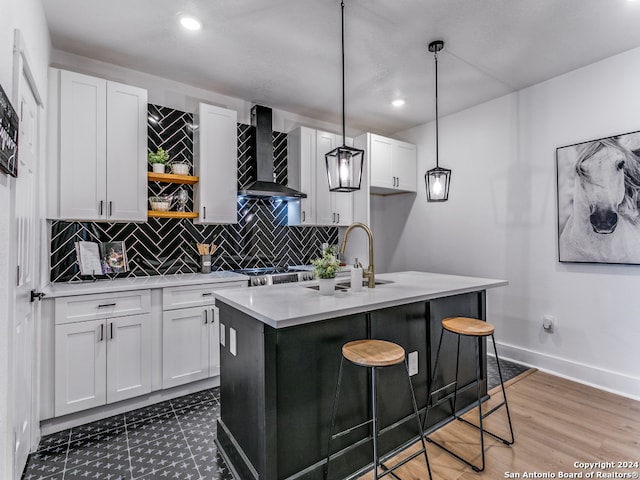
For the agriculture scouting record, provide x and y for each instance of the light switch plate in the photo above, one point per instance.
(223, 336)
(232, 341)
(413, 363)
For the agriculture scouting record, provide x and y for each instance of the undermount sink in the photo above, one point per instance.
(346, 285)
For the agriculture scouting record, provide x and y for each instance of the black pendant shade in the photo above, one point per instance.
(344, 164)
(437, 179)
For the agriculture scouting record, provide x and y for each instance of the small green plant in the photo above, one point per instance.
(327, 265)
(160, 156)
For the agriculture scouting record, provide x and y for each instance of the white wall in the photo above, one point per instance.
(28, 16)
(500, 222)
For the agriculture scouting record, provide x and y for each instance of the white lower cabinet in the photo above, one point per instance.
(190, 345)
(101, 361)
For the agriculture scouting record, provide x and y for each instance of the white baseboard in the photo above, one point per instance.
(607, 380)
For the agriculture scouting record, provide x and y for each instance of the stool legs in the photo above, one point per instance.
(374, 420)
(481, 415)
(417, 415)
(333, 418)
(375, 426)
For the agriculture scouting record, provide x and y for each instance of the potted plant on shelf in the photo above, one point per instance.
(326, 267)
(158, 160)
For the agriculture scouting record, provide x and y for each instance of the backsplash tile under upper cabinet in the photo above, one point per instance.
(261, 238)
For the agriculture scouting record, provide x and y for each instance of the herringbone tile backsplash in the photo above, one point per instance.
(162, 246)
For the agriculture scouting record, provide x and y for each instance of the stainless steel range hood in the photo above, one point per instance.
(262, 160)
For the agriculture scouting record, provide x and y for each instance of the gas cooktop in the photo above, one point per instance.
(274, 275)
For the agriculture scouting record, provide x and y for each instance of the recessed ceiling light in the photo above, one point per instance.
(190, 23)
(398, 102)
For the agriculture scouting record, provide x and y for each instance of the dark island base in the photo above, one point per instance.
(277, 392)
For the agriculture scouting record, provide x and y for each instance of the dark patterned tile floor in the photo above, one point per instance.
(509, 371)
(172, 439)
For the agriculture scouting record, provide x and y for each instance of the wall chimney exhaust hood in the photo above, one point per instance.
(262, 160)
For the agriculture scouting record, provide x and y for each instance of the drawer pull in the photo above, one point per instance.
(104, 305)
(207, 294)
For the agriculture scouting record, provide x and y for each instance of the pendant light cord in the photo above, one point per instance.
(344, 136)
(435, 56)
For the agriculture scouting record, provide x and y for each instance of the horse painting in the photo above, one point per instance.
(603, 224)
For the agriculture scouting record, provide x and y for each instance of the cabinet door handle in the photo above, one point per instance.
(206, 316)
(100, 207)
(213, 317)
(101, 332)
(110, 208)
(338, 221)
(303, 215)
(204, 213)
(111, 331)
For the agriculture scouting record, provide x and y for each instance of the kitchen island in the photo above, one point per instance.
(280, 354)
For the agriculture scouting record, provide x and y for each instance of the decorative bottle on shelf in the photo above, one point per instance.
(356, 277)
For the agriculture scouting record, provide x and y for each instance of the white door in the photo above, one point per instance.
(343, 207)
(80, 366)
(26, 220)
(404, 166)
(380, 162)
(83, 152)
(128, 357)
(216, 149)
(185, 346)
(325, 215)
(126, 153)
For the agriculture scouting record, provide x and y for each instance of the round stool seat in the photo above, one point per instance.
(468, 326)
(373, 353)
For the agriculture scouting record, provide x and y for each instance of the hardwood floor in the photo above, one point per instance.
(556, 422)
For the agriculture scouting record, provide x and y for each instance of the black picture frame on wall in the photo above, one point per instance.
(8, 136)
(598, 193)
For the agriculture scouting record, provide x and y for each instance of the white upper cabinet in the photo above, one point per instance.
(216, 163)
(126, 152)
(301, 148)
(392, 163)
(306, 156)
(97, 146)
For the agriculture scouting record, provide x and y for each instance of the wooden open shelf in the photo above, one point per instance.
(153, 213)
(172, 178)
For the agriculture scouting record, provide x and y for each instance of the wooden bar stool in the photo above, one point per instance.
(374, 354)
(470, 327)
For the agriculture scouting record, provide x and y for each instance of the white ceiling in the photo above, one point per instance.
(286, 53)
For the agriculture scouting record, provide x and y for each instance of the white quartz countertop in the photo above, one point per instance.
(287, 305)
(140, 283)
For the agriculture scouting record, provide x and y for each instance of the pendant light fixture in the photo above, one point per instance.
(344, 164)
(437, 179)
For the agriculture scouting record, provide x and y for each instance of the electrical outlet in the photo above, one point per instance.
(223, 336)
(413, 363)
(232, 341)
(548, 322)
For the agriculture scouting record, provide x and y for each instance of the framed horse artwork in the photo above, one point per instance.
(598, 200)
